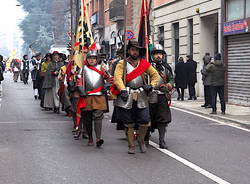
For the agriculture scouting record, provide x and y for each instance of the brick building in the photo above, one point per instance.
(107, 19)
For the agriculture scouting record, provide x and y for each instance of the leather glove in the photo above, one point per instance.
(169, 86)
(147, 88)
(106, 88)
(82, 92)
(124, 95)
(166, 87)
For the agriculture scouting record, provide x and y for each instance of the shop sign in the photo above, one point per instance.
(94, 19)
(236, 27)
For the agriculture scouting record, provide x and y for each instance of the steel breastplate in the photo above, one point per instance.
(136, 82)
(93, 80)
(153, 96)
(161, 81)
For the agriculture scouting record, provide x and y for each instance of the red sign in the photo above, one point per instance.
(130, 35)
(236, 27)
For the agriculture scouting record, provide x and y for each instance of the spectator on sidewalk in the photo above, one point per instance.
(217, 70)
(2, 68)
(180, 78)
(206, 77)
(191, 77)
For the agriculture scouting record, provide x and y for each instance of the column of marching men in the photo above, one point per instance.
(141, 94)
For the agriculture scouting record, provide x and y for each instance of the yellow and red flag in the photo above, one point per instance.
(84, 37)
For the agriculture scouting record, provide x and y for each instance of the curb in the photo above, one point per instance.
(216, 117)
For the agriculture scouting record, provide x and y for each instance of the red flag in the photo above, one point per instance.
(144, 22)
(81, 104)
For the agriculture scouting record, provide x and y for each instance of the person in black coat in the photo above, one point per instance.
(25, 69)
(180, 78)
(191, 77)
(2, 68)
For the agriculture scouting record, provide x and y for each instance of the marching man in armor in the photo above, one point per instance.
(132, 100)
(160, 97)
(92, 86)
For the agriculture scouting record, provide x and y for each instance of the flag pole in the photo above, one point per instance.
(125, 44)
(146, 31)
(149, 9)
(146, 28)
(71, 27)
(82, 15)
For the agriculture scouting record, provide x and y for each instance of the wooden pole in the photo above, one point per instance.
(125, 42)
(71, 28)
(82, 16)
(149, 11)
(146, 29)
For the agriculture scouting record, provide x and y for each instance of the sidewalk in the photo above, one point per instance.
(234, 113)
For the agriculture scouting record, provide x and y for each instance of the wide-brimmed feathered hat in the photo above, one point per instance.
(142, 50)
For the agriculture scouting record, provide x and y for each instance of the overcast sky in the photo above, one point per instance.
(10, 34)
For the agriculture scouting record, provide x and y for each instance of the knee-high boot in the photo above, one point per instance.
(147, 136)
(98, 128)
(98, 132)
(89, 128)
(162, 133)
(142, 133)
(130, 137)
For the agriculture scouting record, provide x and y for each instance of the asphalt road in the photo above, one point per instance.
(38, 147)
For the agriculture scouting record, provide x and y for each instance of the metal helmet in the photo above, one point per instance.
(158, 48)
(92, 54)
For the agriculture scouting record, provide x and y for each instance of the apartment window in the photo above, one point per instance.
(161, 35)
(247, 8)
(176, 41)
(93, 6)
(191, 39)
(236, 9)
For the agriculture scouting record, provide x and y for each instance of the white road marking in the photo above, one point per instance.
(190, 164)
(7, 122)
(211, 119)
(32, 122)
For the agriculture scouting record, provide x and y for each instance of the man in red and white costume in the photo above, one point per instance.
(90, 88)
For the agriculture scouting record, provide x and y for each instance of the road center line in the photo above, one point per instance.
(190, 164)
(211, 119)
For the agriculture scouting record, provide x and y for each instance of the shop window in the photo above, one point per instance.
(235, 9)
(247, 8)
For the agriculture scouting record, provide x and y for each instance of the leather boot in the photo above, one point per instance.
(147, 136)
(141, 137)
(130, 137)
(162, 133)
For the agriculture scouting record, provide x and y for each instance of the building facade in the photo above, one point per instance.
(188, 27)
(236, 22)
(107, 19)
